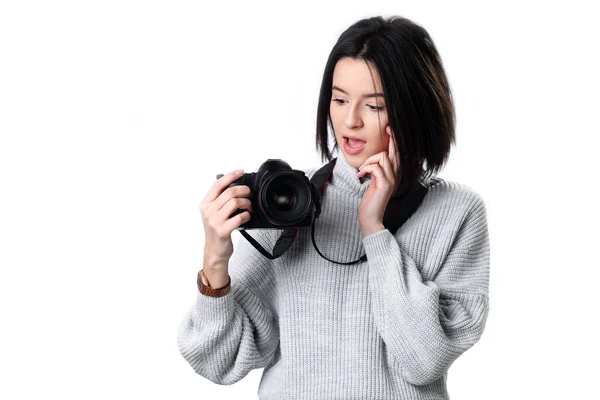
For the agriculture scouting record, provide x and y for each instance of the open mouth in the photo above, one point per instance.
(354, 143)
(353, 146)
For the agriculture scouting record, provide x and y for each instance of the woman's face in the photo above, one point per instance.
(356, 114)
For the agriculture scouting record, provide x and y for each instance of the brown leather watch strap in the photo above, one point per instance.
(205, 289)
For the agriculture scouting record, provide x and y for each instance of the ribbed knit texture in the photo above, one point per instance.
(387, 328)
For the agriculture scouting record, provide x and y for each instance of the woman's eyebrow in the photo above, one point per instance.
(364, 95)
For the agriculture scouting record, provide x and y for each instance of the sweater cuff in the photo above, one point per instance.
(214, 310)
(384, 255)
(377, 245)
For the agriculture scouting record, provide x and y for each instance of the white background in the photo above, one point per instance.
(115, 117)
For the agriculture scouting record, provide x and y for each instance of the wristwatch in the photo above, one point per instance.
(205, 289)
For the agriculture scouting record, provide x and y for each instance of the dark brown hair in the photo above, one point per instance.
(416, 91)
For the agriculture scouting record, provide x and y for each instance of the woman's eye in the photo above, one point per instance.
(373, 108)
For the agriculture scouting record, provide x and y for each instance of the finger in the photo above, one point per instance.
(391, 144)
(392, 158)
(228, 194)
(232, 206)
(392, 150)
(376, 171)
(386, 165)
(235, 222)
(384, 162)
(374, 159)
(217, 188)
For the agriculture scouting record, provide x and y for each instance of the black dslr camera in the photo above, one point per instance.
(281, 197)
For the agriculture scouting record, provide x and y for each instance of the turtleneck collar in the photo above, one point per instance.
(344, 177)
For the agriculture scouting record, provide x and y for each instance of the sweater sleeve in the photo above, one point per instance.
(428, 324)
(224, 338)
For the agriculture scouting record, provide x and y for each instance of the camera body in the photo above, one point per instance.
(281, 197)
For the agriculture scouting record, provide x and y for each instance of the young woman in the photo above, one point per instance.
(385, 328)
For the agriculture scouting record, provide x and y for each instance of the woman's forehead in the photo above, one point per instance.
(352, 77)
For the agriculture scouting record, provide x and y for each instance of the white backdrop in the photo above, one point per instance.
(115, 117)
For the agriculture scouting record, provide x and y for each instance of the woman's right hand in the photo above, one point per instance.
(216, 207)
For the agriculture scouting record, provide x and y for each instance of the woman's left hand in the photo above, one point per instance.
(382, 167)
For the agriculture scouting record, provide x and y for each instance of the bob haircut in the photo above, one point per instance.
(416, 91)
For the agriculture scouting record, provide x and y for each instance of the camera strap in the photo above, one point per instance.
(399, 209)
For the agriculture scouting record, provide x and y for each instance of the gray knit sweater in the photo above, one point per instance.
(386, 328)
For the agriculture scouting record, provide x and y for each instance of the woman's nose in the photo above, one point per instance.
(352, 118)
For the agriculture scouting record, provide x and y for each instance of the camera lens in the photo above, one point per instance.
(286, 198)
(282, 197)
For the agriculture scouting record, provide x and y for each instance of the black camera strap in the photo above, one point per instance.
(398, 211)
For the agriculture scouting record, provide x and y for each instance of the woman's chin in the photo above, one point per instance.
(355, 160)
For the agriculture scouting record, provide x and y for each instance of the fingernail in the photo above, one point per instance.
(238, 171)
